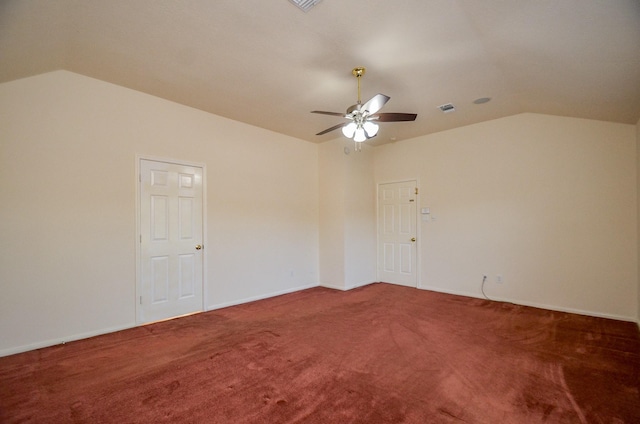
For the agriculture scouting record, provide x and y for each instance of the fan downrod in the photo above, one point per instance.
(358, 73)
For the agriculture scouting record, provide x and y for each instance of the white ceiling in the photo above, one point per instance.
(267, 63)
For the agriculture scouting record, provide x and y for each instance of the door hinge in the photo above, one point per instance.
(140, 238)
(416, 190)
(140, 177)
(141, 300)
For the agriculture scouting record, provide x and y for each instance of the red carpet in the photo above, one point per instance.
(378, 354)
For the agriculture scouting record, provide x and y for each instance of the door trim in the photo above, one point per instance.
(138, 247)
(418, 228)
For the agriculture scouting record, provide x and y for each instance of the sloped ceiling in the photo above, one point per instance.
(267, 63)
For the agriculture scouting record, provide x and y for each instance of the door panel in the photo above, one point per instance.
(171, 226)
(388, 257)
(185, 218)
(406, 258)
(159, 218)
(397, 211)
(186, 264)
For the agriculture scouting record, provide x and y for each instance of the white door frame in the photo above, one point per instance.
(137, 240)
(418, 229)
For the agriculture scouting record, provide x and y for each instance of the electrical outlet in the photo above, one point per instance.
(499, 279)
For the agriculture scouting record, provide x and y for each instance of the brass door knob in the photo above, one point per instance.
(413, 239)
(198, 246)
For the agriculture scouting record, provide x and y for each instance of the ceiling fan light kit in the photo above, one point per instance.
(362, 117)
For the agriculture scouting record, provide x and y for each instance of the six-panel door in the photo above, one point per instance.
(171, 234)
(397, 233)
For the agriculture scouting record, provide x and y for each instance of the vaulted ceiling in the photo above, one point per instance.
(267, 63)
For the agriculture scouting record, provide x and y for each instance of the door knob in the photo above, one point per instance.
(198, 246)
(413, 239)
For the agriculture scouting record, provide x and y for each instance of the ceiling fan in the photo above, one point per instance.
(363, 118)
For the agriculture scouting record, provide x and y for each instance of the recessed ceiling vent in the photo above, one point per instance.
(305, 5)
(446, 108)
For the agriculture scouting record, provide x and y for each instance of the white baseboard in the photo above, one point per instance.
(258, 297)
(346, 288)
(536, 305)
(79, 336)
(334, 287)
(62, 340)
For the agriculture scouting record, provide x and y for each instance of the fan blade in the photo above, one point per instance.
(322, 112)
(393, 117)
(335, 127)
(375, 104)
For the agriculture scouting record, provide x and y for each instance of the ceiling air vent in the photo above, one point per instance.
(446, 108)
(305, 5)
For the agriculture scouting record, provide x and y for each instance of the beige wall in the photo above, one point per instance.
(332, 169)
(67, 219)
(347, 216)
(360, 217)
(548, 203)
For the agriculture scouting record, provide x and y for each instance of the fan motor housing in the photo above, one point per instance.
(351, 109)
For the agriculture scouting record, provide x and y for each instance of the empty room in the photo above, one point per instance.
(320, 211)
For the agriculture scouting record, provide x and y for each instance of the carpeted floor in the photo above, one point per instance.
(378, 354)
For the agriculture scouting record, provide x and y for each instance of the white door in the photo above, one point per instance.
(397, 233)
(171, 234)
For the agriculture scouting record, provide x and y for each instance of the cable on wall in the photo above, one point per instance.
(484, 279)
